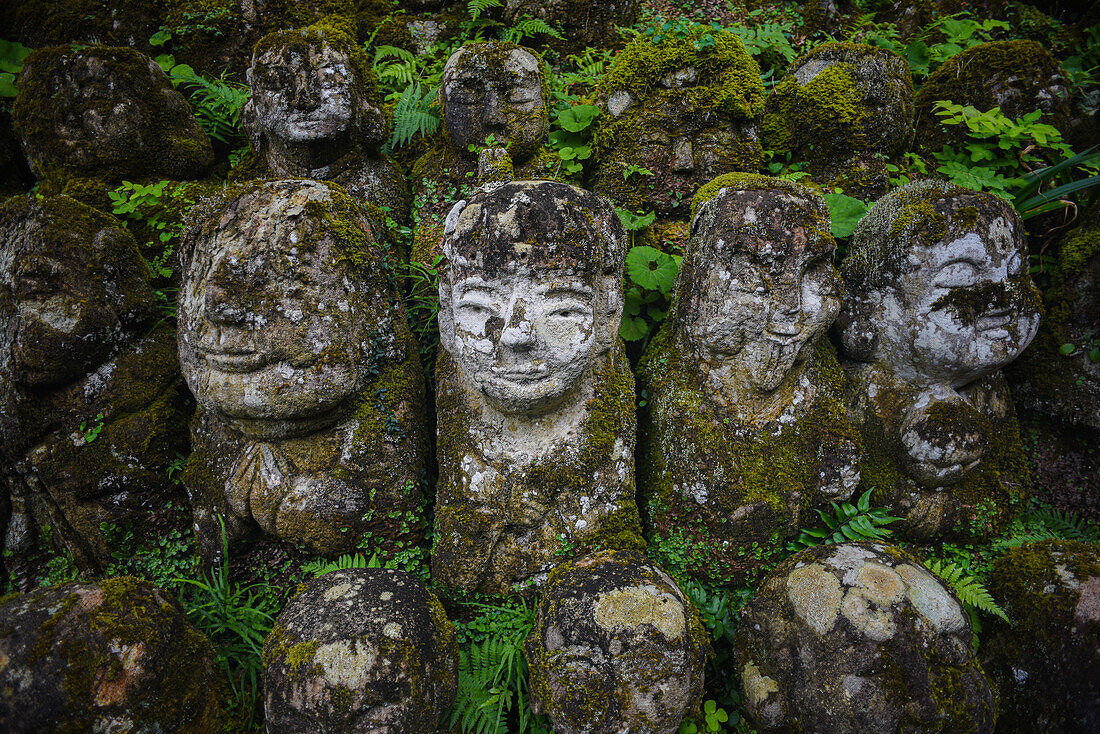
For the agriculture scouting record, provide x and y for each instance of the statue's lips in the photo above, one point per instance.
(233, 361)
(521, 374)
(996, 320)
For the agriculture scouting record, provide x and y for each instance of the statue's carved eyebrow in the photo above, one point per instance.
(568, 291)
(473, 283)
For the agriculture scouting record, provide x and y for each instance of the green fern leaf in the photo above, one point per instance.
(971, 592)
(478, 7)
(528, 27)
(415, 113)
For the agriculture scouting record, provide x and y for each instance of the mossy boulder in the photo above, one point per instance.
(117, 655)
(295, 344)
(1017, 76)
(687, 109)
(743, 430)
(1066, 387)
(860, 637)
(91, 392)
(360, 650)
(843, 106)
(108, 113)
(617, 648)
(1047, 661)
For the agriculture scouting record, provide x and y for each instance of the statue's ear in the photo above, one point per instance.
(445, 315)
(858, 333)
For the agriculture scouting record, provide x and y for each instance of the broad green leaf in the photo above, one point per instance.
(844, 212)
(650, 268)
(575, 119)
(633, 328)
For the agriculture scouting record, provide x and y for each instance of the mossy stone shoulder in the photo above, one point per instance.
(1045, 662)
(117, 654)
(617, 647)
(860, 637)
(108, 113)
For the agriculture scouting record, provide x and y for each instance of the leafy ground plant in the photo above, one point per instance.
(847, 522)
(650, 275)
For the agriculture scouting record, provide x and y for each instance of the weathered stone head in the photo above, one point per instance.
(757, 288)
(360, 650)
(494, 88)
(617, 647)
(105, 112)
(282, 312)
(532, 294)
(314, 99)
(938, 285)
(860, 637)
(72, 288)
(686, 115)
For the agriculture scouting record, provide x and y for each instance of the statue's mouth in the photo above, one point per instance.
(996, 320)
(532, 373)
(233, 360)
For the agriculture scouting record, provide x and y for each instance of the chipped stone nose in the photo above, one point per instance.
(491, 112)
(682, 160)
(787, 300)
(518, 334)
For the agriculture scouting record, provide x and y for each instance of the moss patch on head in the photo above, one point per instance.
(753, 182)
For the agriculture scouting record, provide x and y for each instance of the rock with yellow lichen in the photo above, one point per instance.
(617, 648)
(860, 637)
(360, 650)
(117, 655)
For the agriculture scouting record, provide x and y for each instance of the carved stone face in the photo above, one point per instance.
(966, 307)
(312, 98)
(766, 289)
(525, 316)
(526, 339)
(273, 325)
(494, 89)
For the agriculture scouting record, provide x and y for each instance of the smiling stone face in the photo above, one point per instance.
(276, 324)
(310, 102)
(532, 296)
(760, 289)
(494, 89)
(947, 294)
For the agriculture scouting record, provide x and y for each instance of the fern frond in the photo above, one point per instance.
(847, 522)
(971, 592)
(1064, 524)
(416, 112)
(528, 27)
(477, 7)
(386, 52)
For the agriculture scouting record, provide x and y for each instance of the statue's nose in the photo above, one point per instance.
(518, 334)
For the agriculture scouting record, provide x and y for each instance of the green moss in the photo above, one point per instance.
(686, 442)
(749, 182)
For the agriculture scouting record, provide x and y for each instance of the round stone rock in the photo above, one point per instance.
(860, 637)
(362, 650)
(617, 648)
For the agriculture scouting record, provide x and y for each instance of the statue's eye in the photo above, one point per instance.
(569, 312)
(956, 274)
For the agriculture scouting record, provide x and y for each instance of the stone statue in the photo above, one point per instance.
(315, 112)
(493, 96)
(535, 397)
(683, 112)
(106, 113)
(744, 429)
(309, 387)
(938, 300)
(91, 399)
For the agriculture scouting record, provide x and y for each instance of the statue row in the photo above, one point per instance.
(294, 343)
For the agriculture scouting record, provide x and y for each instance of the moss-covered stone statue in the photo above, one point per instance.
(617, 647)
(91, 399)
(1046, 662)
(1050, 378)
(1017, 76)
(309, 387)
(938, 299)
(860, 637)
(493, 95)
(744, 429)
(581, 23)
(116, 655)
(315, 112)
(360, 650)
(843, 108)
(535, 399)
(105, 113)
(683, 110)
